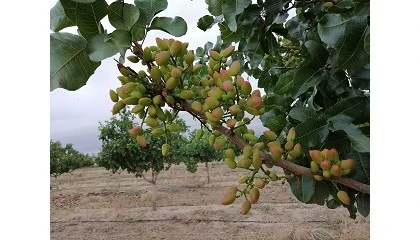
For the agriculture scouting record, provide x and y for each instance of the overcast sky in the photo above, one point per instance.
(74, 116)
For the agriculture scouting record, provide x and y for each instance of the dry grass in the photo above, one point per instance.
(97, 205)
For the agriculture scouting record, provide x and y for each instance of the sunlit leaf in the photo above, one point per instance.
(122, 15)
(58, 18)
(175, 26)
(87, 17)
(311, 132)
(149, 8)
(70, 66)
(302, 187)
(352, 52)
(331, 28)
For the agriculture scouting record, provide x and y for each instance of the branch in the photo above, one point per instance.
(283, 163)
(147, 180)
(291, 47)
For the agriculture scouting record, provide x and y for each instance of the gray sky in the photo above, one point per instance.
(74, 116)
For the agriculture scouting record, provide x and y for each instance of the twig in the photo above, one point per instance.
(283, 163)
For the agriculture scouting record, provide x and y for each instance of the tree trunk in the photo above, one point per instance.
(118, 181)
(208, 174)
(154, 177)
(56, 182)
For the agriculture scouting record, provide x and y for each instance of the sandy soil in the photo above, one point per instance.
(93, 204)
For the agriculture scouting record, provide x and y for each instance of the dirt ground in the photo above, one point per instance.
(93, 204)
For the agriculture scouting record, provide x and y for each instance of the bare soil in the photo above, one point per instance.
(93, 204)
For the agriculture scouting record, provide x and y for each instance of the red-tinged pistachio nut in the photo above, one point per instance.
(162, 58)
(254, 195)
(291, 134)
(234, 68)
(259, 183)
(289, 145)
(245, 207)
(344, 197)
(141, 141)
(229, 196)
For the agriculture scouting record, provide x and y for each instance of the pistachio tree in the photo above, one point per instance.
(311, 61)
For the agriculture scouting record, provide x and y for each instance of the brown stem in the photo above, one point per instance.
(283, 163)
(291, 47)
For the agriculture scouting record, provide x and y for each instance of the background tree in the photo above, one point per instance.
(76, 160)
(66, 159)
(313, 67)
(120, 151)
(198, 150)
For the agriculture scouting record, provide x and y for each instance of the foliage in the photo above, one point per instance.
(121, 151)
(74, 58)
(199, 151)
(66, 159)
(310, 57)
(314, 68)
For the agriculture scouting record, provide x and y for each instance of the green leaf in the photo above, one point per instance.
(58, 18)
(297, 29)
(138, 31)
(362, 8)
(208, 46)
(123, 16)
(338, 140)
(87, 17)
(342, 6)
(351, 107)
(251, 20)
(363, 204)
(360, 78)
(318, 54)
(367, 43)
(359, 141)
(332, 203)
(199, 52)
(298, 81)
(285, 83)
(352, 210)
(352, 53)
(84, 1)
(279, 19)
(70, 66)
(205, 22)
(338, 81)
(311, 100)
(215, 7)
(331, 28)
(306, 78)
(175, 26)
(302, 113)
(273, 9)
(302, 187)
(271, 44)
(274, 119)
(361, 170)
(255, 52)
(321, 193)
(230, 9)
(280, 102)
(311, 132)
(121, 39)
(265, 80)
(149, 8)
(227, 35)
(99, 49)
